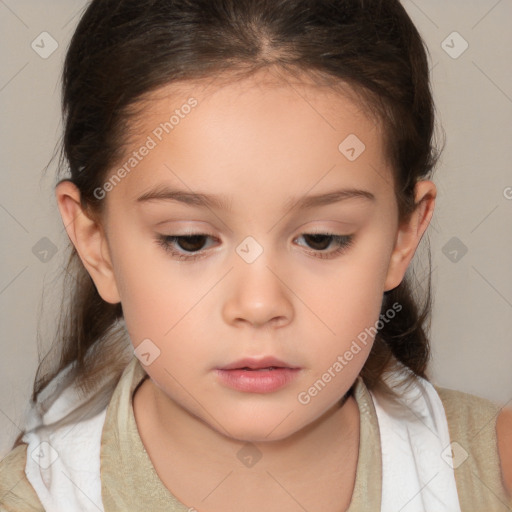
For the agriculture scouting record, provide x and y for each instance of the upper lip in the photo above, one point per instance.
(255, 363)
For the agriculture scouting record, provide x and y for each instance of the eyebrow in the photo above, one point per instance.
(165, 193)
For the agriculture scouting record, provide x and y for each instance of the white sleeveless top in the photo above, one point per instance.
(63, 465)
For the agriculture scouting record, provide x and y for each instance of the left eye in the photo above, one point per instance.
(341, 244)
(319, 239)
(191, 246)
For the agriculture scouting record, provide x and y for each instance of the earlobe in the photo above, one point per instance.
(410, 233)
(87, 235)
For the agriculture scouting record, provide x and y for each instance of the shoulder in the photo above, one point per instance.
(504, 435)
(480, 421)
(470, 415)
(16, 492)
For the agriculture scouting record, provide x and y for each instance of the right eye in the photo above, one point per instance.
(191, 245)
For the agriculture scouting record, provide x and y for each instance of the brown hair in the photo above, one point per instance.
(124, 49)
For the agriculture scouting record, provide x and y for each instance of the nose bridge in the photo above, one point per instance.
(257, 292)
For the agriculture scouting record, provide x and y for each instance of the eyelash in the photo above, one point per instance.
(344, 242)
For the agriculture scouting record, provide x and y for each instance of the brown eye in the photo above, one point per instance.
(189, 247)
(319, 242)
(190, 243)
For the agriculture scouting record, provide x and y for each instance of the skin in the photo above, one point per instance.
(260, 143)
(504, 439)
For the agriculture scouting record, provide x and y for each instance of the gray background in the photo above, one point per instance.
(472, 315)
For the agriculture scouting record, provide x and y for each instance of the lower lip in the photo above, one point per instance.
(257, 381)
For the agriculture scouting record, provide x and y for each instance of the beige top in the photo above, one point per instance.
(130, 482)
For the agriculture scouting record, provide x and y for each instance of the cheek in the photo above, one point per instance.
(351, 293)
(153, 293)
(162, 306)
(349, 304)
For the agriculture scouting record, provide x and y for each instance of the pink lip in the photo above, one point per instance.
(256, 377)
(256, 364)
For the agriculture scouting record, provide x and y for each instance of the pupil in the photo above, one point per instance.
(191, 242)
(315, 241)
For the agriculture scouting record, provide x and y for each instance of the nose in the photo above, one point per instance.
(258, 295)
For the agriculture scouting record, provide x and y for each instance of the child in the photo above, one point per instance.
(280, 364)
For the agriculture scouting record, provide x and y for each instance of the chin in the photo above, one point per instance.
(252, 435)
(260, 428)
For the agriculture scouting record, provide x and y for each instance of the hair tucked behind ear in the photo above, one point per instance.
(123, 50)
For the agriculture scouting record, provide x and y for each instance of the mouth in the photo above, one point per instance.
(264, 375)
(260, 369)
(267, 363)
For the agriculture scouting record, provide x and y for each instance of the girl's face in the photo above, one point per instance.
(253, 171)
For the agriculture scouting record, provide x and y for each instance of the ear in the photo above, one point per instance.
(87, 235)
(410, 233)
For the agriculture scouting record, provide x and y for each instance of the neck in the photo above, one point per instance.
(184, 437)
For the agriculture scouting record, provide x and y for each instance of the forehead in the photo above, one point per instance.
(284, 130)
(329, 102)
